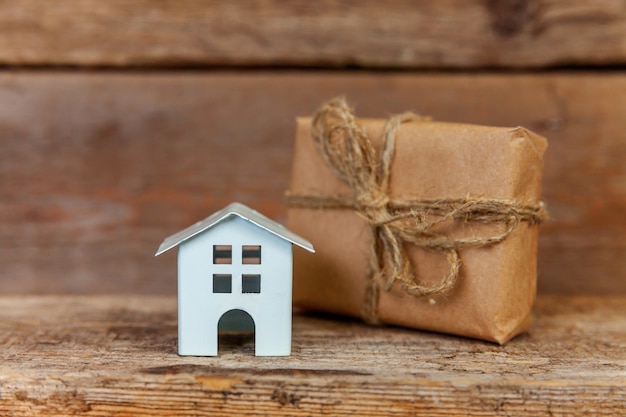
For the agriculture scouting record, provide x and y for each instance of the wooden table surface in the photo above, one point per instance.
(116, 355)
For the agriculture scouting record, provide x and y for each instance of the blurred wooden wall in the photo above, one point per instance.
(122, 122)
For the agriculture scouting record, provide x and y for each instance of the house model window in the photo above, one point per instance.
(251, 284)
(222, 254)
(250, 255)
(222, 283)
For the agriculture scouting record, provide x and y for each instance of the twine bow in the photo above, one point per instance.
(349, 153)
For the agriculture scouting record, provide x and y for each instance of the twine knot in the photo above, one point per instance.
(374, 207)
(347, 150)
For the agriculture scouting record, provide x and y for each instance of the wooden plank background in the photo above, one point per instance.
(325, 33)
(97, 168)
(124, 121)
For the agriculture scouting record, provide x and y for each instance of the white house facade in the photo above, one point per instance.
(236, 259)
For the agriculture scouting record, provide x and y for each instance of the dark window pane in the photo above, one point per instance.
(222, 254)
(251, 254)
(222, 283)
(251, 284)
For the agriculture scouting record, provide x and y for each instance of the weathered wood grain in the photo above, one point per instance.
(97, 168)
(116, 356)
(398, 34)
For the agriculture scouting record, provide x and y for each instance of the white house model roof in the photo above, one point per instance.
(234, 209)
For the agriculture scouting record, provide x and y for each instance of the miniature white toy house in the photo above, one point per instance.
(234, 260)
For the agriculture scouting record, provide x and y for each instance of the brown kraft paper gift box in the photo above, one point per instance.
(490, 285)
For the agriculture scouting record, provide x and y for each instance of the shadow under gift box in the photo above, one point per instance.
(493, 297)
